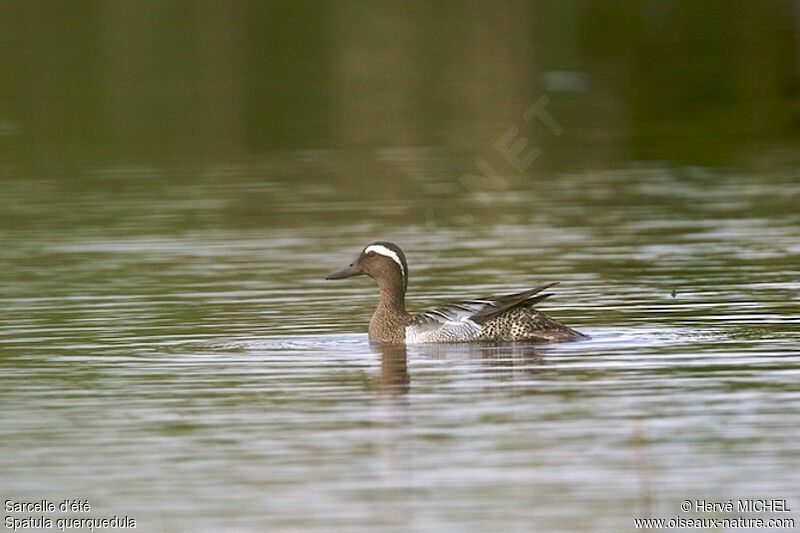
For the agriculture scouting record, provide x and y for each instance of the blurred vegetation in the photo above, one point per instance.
(713, 83)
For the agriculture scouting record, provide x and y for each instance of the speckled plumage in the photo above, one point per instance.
(389, 325)
(505, 318)
(523, 323)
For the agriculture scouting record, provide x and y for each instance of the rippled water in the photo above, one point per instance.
(171, 352)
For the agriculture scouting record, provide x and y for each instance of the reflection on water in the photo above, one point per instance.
(393, 377)
(203, 82)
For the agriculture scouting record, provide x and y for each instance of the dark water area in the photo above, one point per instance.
(709, 83)
(176, 181)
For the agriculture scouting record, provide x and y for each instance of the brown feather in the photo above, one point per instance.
(501, 304)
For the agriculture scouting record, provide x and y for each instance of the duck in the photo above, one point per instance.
(504, 318)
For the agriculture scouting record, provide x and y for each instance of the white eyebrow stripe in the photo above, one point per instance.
(382, 250)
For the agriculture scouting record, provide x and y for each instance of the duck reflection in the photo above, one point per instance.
(510, 356)
(513, 359)
(496, 357)
(393, 377)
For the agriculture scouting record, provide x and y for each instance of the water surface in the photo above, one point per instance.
(171, 352)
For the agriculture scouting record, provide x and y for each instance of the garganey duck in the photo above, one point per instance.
(505, 318)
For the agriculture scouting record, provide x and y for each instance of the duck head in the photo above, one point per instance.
(382, 261)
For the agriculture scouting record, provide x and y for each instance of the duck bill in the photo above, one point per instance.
(346, 272)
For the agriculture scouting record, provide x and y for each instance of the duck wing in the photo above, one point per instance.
(480, 310)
